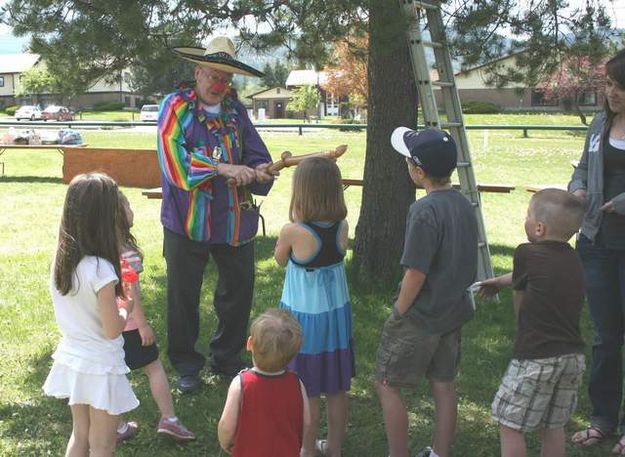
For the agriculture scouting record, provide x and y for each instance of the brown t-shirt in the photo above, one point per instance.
(550, 274)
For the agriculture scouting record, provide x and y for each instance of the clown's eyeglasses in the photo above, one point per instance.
(212, 78)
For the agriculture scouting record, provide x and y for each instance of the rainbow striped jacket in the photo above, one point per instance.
(197, 203)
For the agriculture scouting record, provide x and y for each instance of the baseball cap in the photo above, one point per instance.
(431, 149)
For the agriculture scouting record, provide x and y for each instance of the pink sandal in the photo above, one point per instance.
(590, 436)
(619, 447)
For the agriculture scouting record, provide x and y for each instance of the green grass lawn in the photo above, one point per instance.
(32, 195)
(497, 119)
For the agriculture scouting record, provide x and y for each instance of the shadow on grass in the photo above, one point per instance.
(31, 179)
(487, 342)
(38, 425)
(501, 249)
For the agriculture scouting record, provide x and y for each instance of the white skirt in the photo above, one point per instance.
(109, 392)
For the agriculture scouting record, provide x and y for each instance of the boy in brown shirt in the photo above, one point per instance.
(539, 388)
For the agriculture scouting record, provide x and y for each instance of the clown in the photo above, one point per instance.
(212, 160)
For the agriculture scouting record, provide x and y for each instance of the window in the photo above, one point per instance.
(538, 99)
(1, 81)
(587, 98)
(332, 105)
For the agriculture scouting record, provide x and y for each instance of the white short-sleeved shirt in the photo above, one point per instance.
(84, 346)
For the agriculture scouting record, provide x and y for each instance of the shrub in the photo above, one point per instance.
(478, 107)
(10, 110)
(108, 106)
(349, 121)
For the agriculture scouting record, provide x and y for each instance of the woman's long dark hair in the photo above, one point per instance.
(615, 69)
(89, 226)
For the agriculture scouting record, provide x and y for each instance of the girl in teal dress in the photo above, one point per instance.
(315, 290)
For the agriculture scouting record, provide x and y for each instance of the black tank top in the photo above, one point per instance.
(329, 251)
(612, 230)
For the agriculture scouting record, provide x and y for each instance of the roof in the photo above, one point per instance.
(306, 78)
(490, 62)
(17, 63)
(271, 94)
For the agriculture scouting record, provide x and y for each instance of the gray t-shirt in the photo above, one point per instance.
(441, 241)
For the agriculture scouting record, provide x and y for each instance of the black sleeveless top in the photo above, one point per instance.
(612, 230)
(329, 251)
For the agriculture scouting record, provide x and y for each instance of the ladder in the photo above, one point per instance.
(428, 14)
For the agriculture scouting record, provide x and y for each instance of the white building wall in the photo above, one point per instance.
(476, 79)
(8, 88)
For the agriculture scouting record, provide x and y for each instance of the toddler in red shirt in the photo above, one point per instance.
(266, 410)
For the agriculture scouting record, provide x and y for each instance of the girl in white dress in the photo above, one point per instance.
(89, 367)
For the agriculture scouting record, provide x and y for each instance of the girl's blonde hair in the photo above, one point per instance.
(317, 192)
(89, 226)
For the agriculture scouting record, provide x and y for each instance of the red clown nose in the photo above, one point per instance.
(219, 86)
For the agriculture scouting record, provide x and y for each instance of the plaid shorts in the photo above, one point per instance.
(538, 393)
(407, 353)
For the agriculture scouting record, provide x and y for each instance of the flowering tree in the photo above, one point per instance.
(347, 76)
(574, 77)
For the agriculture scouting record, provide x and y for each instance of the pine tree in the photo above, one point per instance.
(107, 36)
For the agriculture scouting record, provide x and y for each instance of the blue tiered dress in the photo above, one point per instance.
(315, 291)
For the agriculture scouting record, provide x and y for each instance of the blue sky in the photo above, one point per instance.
(10, 44)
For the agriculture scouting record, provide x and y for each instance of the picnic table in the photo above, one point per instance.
(538, 187)
(157, 193)
(497, 188)
(59, 148)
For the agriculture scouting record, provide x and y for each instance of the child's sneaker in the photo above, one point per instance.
(127, 431)
(175, 428)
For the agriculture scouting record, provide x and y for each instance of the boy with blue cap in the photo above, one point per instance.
(422, 336)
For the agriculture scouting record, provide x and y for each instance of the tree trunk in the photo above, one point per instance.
(579, 112)
(388, 190)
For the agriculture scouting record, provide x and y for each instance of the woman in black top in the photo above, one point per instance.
(600, 181)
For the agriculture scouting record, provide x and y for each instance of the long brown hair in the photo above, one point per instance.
(89, 226)
(317, 192)
(615, 69)
(128, 240)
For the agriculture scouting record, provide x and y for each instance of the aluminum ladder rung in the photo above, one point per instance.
(427, 15)
(449, 124)
(429, 44)
(424, 5)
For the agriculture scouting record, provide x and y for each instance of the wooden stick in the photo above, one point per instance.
(287, 159)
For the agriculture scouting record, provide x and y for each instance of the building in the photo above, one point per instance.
(472, 85)
(329, 104)
(13, 65)
(271, 103)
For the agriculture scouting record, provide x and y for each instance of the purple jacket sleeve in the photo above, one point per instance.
(254, 150)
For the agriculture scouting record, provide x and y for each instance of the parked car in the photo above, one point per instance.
(28, 112)
(149, 113)
(57, 113)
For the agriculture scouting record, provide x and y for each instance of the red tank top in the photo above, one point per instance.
(271, 416)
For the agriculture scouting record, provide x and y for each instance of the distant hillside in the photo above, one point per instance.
(258, 60)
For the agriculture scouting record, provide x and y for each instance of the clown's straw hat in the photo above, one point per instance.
(220, 55)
